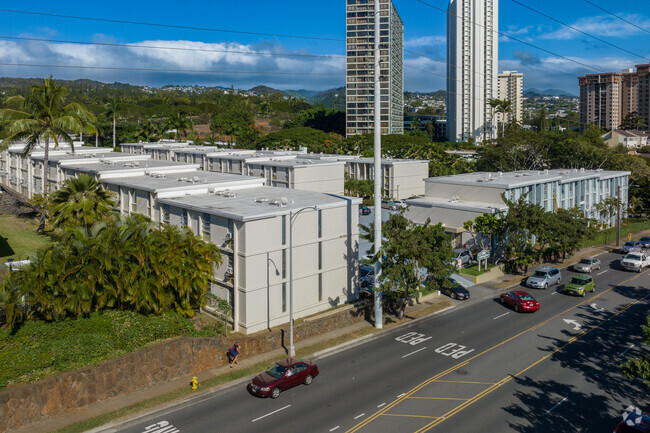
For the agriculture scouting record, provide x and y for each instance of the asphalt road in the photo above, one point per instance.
(481, 367)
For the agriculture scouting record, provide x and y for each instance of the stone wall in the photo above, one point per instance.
(26, 404)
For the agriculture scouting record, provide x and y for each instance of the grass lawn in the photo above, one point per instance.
(18, 238)
(473, 270)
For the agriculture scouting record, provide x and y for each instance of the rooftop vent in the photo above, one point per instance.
(229, 194)
(261, 200)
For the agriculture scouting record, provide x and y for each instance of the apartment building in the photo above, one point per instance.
(472, 68)
(360, 76)
(251, 224)
(511, 88)
(452, 200)
(631, 139)
(607, 99)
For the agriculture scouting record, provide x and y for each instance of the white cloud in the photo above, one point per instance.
(176, 55)
(601, 26)
(426, 41)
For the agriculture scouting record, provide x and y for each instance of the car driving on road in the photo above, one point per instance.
(520, 301)
(544, 277)
(283, 375)
(579, 285)
(587, 265)
(628, 245)
(646, 242)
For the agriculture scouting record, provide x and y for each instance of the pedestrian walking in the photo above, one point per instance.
(233, 353)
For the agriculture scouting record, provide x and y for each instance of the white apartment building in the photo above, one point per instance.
(511, 88)
(360, 76)
(452, 200)
(472, 68)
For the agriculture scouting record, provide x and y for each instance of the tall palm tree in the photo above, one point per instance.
(179, 122)
(43, 115)
(504, 107)
(80, 202)
(112, 110)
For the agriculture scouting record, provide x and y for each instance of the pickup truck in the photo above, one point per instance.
(635, 261)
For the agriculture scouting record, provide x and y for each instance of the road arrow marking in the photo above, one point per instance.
(576, 325)
(595, 307)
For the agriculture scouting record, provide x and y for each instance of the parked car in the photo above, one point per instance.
(628, 245)
(462, 256)
(283, 375)
(587, 264)
(393, 204)
(646, 242)
(453, 289)
(634, 422)
(366, 276)
(544, 277)
(364, 210)
(580, 285)
(520, 301)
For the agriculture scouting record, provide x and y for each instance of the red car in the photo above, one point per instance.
(283, 375)
(520, 301)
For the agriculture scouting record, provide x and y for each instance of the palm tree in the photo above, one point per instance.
(179, 122)
(112, 110)
(80, 202)
(43, 115)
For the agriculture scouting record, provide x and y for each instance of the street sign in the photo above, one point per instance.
(482, 255)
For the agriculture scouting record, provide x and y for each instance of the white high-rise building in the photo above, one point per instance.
(511, 88)
(472, 68)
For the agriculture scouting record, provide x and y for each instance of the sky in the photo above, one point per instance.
(230, 42)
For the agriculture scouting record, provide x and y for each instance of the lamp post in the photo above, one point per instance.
(268, 289)
(292, 216)
(378, 172)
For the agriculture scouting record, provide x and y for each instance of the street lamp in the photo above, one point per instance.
(292, 216)
(268, 288)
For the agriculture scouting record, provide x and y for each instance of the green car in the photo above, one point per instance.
(579, 285)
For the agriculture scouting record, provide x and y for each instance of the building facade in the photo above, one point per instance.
(472, 68)
(511, 88)
(360, 76)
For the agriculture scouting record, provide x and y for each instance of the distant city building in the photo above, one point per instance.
(439, 124)
(472, 68)
(607, 99)
(360, 68)
(511, 88)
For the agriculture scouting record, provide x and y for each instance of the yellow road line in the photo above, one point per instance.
(457, 366)
(410, 416)
(439, 398)
(464, 381)
(507, 379)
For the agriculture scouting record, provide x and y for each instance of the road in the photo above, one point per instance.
(480, 367)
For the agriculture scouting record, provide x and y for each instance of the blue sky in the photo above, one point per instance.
(425, 30)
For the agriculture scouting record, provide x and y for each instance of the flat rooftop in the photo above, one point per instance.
(108, 166)
(259, 203)
(182, 181)
(516, 179)
(63, 158)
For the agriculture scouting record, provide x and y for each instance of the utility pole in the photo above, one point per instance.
(379, 321)
(618, 216)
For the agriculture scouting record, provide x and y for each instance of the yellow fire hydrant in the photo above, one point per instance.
(195, 383)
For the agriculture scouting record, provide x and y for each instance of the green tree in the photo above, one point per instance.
(639, 367)
(410, 254)
(632, 121)
(607, 208)
(43, 115)
(179, 123)
(112, 110)
(81, 201)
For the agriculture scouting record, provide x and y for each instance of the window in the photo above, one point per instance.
(320, 287)
(284, 229)
(320, 255)
(184, 218)
(165, 214)
(133, 201)
(284, 297)
(205, 226)
(284, 263)
(320, 223)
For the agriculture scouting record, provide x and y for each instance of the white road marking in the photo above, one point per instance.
(401, 395)
(551, 409)
(409, 354)
(595, 307)
(625, 351)
(271, 413)
(504, 314)
(383, 404)
(576, 325)
(602, 272)
(335, 428)
(554, 293)
(359, 416)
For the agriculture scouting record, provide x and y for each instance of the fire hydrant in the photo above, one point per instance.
(194, 383)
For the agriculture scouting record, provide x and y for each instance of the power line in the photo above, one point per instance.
(436, 60)
(578, 30)
(516, 39)
(191, 71)
(109, 44)
(617, 16)
(173, 26)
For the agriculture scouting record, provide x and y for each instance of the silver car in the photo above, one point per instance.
(628, 245)
(544, 277)
(587, 265)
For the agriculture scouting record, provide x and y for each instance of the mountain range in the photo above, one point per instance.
(548, 92)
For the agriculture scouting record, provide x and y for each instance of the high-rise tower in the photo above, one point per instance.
(472, 68)
(359, 94)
